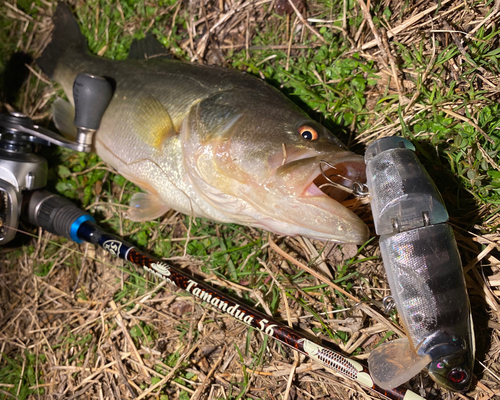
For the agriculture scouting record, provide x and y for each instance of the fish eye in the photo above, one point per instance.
(308, 133)
(457, 375)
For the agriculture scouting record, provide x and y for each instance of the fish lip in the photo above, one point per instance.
(312, 189)
(322, 216)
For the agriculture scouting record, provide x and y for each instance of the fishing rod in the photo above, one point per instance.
(23, 178)
(61, 217)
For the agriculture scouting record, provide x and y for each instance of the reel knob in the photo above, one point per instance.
(92, 95)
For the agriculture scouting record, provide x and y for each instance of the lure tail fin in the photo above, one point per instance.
(394, 363)
(66, 36)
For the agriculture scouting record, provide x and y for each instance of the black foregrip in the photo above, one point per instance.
(55, 214)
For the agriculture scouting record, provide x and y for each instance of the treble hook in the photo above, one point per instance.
(389, 304)
(358, 189)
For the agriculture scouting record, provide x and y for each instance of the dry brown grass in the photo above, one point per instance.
(79, 333)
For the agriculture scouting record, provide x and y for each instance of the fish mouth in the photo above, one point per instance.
(336, 180)
(314, 204)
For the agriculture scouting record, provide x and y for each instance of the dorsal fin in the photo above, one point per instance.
(147, 48)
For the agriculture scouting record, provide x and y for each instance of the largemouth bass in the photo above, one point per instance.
(210, 142)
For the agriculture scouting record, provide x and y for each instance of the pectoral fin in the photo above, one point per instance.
(146, 207)
(64, 115)
(394, 363)
(152, 122)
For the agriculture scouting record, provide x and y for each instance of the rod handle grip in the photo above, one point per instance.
(56, 214)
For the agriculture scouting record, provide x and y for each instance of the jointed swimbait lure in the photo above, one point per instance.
(424, 271)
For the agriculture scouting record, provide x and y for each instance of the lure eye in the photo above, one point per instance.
(457, 375)
(308, 133)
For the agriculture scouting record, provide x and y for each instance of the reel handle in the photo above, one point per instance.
(92, 95)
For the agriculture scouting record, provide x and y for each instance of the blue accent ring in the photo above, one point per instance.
(76, 224)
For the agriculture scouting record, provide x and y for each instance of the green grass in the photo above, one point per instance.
(20, 375)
